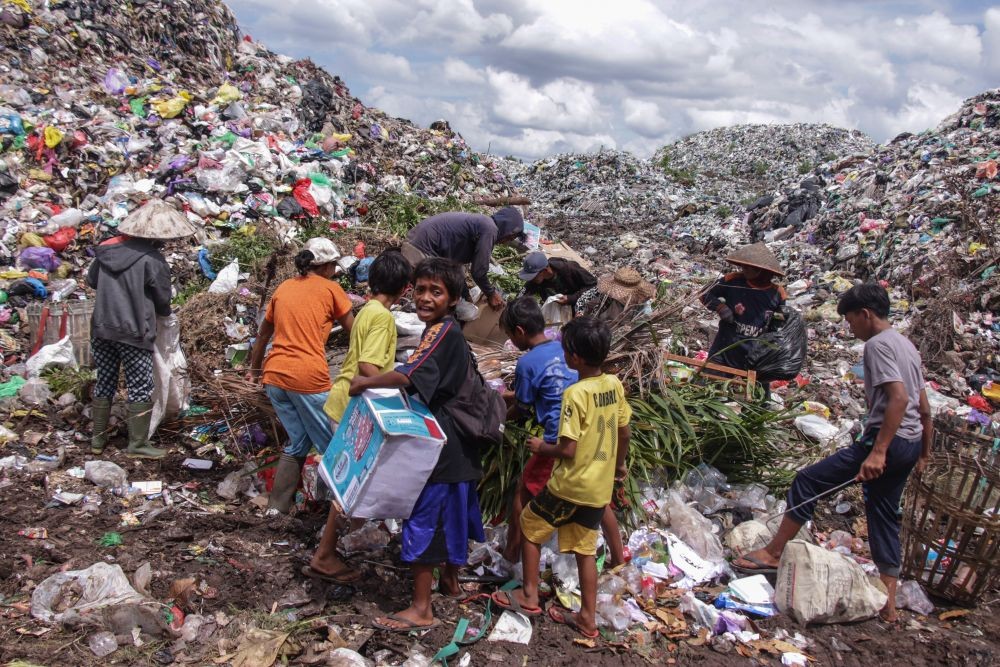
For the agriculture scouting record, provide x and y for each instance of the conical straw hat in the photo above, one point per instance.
(156, 219)
(757, 255)
(626, 286)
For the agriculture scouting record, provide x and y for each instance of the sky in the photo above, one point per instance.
(532, 78)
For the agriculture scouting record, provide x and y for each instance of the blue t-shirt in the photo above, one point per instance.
(540, 379)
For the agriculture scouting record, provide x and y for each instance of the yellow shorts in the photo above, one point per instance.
(576, 524)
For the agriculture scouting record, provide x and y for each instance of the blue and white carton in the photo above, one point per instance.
(382, 454)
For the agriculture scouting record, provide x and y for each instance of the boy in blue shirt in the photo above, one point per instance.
(540, 378)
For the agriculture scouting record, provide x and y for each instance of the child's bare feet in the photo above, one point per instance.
(410, 618)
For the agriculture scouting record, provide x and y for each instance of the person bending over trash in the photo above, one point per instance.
(540, 379)
(467, 238)
(132, 281)
(296, 375)
(896, 440)
(446, 515)
(617, 294)
(372, 352)
(746, 301)
(590, 455)
(546, 277)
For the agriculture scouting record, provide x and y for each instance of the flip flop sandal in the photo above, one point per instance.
(406, 629)
(333, 577)
(565, 619)
(760, 567)
(513, 605)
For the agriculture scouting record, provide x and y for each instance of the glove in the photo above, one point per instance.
(726, 314)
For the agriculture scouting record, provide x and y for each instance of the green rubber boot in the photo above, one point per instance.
(100, 413)
(286, 483)
(139, 416)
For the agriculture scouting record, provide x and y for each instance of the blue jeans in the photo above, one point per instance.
(303, 417)
(882, 495)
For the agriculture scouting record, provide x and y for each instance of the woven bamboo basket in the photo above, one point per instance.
(951, 516)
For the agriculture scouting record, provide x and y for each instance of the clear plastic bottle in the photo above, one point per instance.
(103, 644)
(633, 580)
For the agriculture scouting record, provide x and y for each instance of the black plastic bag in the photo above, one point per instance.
(780, 353)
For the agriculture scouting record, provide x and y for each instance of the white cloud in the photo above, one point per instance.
(644, 117)
(459, 71)
(528, 77)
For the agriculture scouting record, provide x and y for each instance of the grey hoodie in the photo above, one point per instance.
(133, 286)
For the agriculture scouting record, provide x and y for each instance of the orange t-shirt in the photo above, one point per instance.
(303, 310)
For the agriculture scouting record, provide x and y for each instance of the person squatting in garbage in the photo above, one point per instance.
(446, 514)
(132, 281)
(746, 301)
(295, 374)
(617, 295)
(540, 379)
(466, 238)
(545, 277)
(896, 440)
(590, 455)
(372, 352)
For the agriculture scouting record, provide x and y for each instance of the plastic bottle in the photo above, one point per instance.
(103, 644)
(611, 585)
(648, 588)
(633, 580)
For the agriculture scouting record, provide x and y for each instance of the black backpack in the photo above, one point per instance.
(478, 410)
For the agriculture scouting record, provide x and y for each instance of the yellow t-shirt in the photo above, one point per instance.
(592, 411)
(373, 341)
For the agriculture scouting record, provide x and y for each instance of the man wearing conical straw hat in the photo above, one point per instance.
(745, 301)
(132, 281)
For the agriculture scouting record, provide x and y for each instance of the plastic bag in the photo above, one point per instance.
(911, 595)
(115, 81)
(39, 258)
(171, 384)
(105, 474)
(227, 279)
(816, 428)
(555, 312)
(694, 529)
(820, 586)
(100, 585)
(59, 353)
(35, 391)
(780, 354)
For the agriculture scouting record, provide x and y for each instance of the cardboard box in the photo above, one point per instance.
(385, 448)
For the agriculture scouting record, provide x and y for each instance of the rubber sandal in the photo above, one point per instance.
(760, 567)
(409, 627)
(335, 577)
(513, 605)
(565, 619)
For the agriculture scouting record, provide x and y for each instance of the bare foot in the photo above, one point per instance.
(409, 617)
(761, 556)
(889, 616)
(448, 583)
(332, 566)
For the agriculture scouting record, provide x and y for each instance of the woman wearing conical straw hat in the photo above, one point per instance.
(745, 301)
(132, 281)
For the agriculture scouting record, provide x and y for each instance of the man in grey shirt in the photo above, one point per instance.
(896, 440)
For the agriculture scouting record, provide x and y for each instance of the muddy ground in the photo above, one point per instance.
(245, 570)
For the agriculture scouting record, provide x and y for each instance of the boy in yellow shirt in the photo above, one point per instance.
(372, 352)
(590, 455)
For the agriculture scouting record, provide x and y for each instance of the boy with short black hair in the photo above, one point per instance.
(372, 351)
(896, 440)
(446, 514)
(590, 453)
(540, 378)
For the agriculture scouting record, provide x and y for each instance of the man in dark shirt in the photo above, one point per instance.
(545, 277)
(466, 238)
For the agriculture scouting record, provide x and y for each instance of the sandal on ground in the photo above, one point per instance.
(343, 577)
(511, 604)
(760, 567)
(565, 619)
(409, 626)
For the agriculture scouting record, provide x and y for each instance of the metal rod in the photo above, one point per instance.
(809, 500)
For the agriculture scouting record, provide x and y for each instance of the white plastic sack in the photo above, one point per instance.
(820, 586)
(171, 385)
(555, 312)
(691, 527)
(100, 585)
(59, 353)
(748, 536)
(816, 428)
(227, 279)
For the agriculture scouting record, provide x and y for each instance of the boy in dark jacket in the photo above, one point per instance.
(548, 276)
